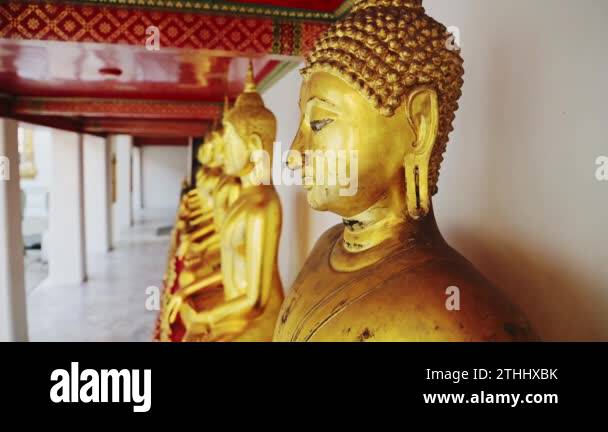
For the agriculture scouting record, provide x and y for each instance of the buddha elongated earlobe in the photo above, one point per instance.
(417, 186)
(423, 110)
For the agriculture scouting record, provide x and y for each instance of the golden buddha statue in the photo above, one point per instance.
(384, 83)
(195, 201)
(186, 264)
(241, 301)
(211, 175)
(190, 211)
(200, 249)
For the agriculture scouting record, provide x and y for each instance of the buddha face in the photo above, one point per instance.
(237, 150)
(217, 139)
(336, 117)
(211, 154)
(199, 178)
(205, 153)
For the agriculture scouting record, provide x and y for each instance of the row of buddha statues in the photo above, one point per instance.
(222, 282)
(384, 82)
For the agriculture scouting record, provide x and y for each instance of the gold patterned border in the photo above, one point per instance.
(227, 8)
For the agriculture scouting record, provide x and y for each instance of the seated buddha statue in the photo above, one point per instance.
(198, 256)
(170, 275)
(201, 251)
(195, 202)
(210, 177)
(189, 208)
(242, 300)
(383, 82)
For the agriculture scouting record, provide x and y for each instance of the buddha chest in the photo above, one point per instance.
(403, 297)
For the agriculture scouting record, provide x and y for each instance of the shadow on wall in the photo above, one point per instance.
(522, 209)
(552, 294)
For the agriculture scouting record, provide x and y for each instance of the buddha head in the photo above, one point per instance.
(248, 127)
(205, 151)
(384, 82)
(211, 153)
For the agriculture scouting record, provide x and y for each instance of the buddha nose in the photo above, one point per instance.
(294, 158)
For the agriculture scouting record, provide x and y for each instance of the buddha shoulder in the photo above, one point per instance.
(260, 202)
(428, 293)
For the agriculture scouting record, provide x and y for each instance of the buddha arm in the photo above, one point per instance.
(196, 213)
(199, 234)
(176, 301)
(233, 194)
(199, 286)
(212, 241)
(256, 291)
(204, 218)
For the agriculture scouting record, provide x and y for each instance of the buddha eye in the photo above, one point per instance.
(318, 125)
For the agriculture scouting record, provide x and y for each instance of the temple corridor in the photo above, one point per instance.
(111, 304)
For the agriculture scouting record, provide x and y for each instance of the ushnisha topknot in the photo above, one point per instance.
(386, 48)
(249, 115)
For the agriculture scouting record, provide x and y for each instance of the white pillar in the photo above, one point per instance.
(123, 145)
(13, 316)
(190, 158)
(98, 194)
(67, 245)
(137, 179)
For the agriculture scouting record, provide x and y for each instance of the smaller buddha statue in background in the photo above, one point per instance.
(187, 209)
(225, 192)
(192, 228)
(241, 301)
(211, 176)
(195, 214)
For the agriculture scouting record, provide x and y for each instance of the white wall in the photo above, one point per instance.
(518, 194)
(163, 168)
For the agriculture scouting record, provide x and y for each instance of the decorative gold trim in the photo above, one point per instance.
(229, 8)
(344, 9)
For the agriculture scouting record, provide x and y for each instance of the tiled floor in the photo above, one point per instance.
(111, 305)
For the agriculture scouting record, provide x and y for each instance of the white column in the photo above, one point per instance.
(190, 158)
(137, 177)
(123, 145)
(98, 194)
(13, 316)
(67, 245)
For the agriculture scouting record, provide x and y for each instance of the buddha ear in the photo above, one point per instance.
(423, 115)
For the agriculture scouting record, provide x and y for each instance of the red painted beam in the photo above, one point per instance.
(146, 127)
(63, 123)
(160, 141)
(117, 108)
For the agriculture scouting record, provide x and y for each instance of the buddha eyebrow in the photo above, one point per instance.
(315, 100)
